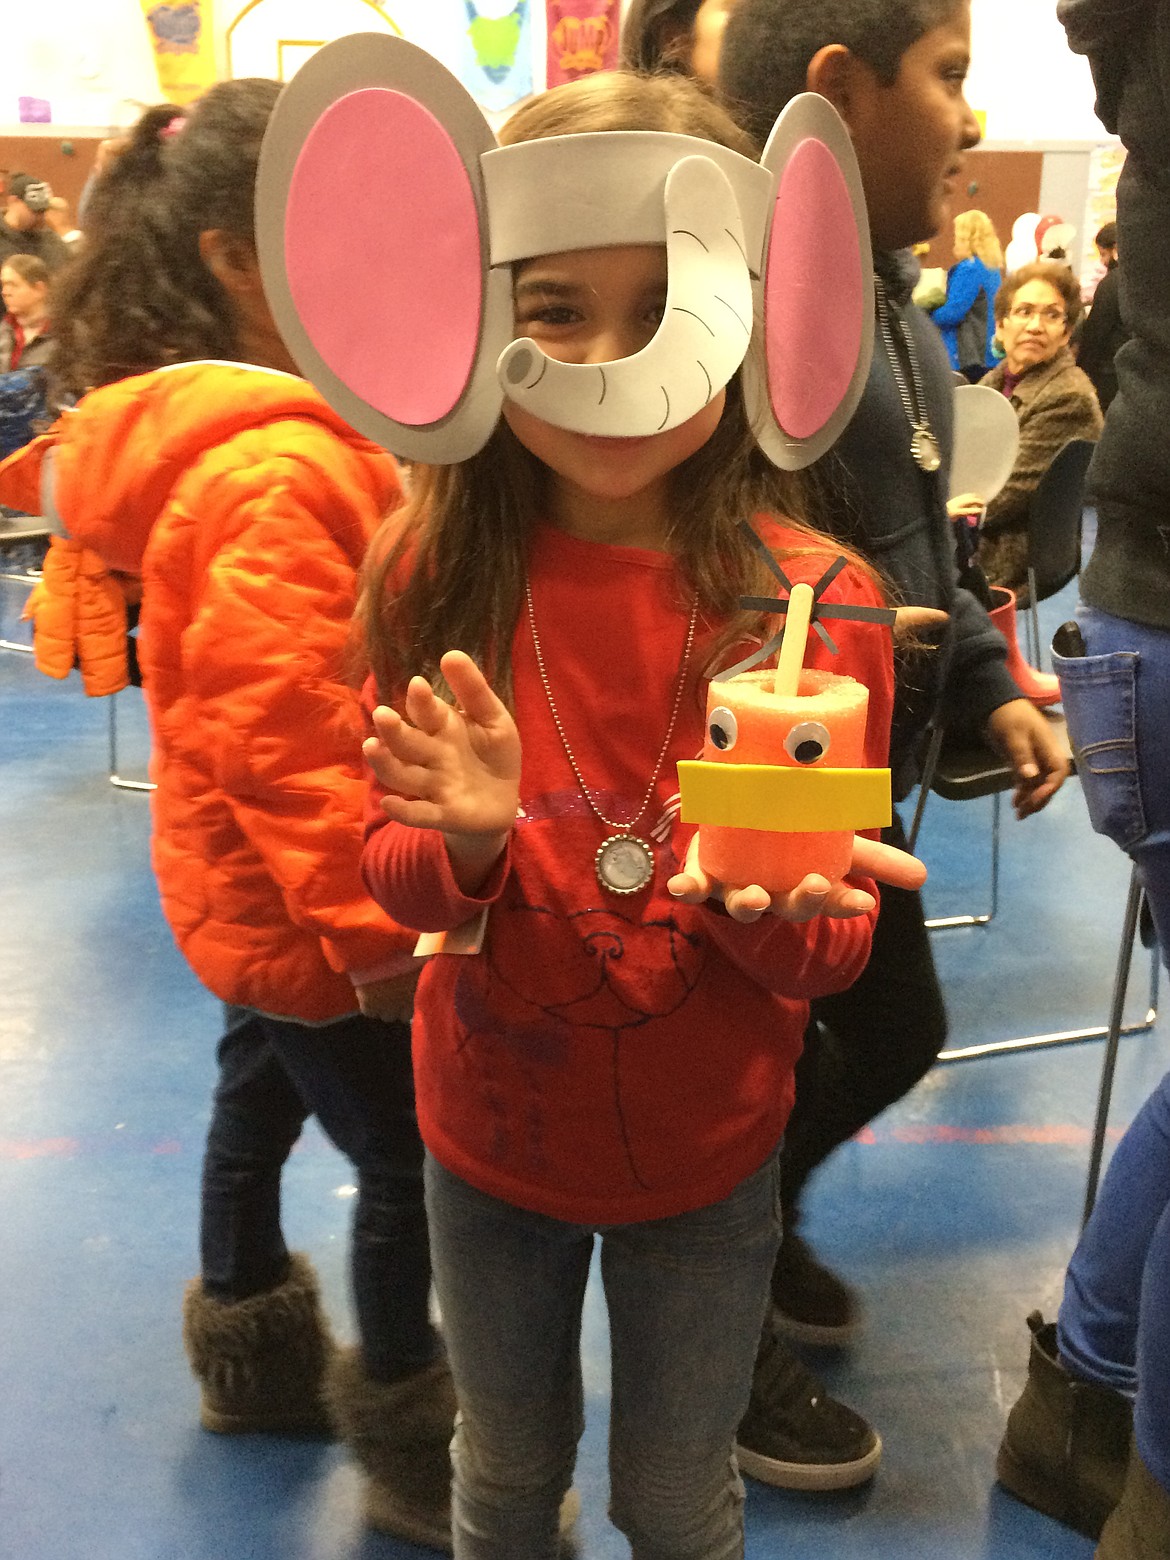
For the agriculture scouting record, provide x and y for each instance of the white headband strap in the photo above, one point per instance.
(605, 188)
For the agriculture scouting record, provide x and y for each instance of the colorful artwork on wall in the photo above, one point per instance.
(582, 38)
(184, 47)
(496, 55)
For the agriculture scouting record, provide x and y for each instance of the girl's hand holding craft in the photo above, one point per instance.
(812, 897)
(452, 769)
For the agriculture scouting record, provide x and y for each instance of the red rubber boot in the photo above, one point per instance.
(1041, 687)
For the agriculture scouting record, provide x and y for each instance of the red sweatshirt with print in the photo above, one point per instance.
(611, 1059)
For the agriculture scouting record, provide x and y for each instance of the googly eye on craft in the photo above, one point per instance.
(723, 728)
(807, 743)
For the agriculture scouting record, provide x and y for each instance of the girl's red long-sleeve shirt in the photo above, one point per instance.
(611, 1059)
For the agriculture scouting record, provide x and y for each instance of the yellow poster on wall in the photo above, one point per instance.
(184, 47)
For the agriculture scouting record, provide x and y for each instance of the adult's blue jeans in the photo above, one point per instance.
(686, 1299)
(1117, 699)
(1114, 1324)
(355, 1076)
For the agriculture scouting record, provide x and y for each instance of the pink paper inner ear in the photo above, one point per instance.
(383, 254)
(813, 292)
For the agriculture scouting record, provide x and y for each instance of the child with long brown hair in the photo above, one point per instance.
(613, 1065)
(605, 1038)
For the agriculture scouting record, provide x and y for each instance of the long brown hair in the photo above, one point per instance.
(460, 546)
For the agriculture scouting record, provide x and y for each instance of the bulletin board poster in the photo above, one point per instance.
(496, 53)
(184, 47)
(1105, 165)
(582, 38)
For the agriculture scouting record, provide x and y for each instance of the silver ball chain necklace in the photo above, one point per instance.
(624, 862)
(923, 442)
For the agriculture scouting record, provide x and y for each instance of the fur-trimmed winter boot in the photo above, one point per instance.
(400, 1434)
(1066, 1444)
(260, 1362)
(1041, 687)
(1139, 1528)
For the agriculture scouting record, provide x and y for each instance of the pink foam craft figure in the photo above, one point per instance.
(781, 789)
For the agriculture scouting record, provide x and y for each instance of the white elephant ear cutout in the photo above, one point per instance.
(371, 231)
(810, 356)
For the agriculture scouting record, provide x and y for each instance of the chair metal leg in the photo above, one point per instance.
(929, 769)
(944, 923)
(28, 578)
(1096, 1032)
(929, 766)
(1113, 1038)
(115, 778)
(1033, 620)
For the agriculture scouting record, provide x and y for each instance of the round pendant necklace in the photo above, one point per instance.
(624, 862)
(923, 443)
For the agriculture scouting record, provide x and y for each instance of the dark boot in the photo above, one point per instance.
(400, 1435)
(260, 1363)
(1066, 1444)
(1139, 1528)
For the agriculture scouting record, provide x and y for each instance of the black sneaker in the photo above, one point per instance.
(811, 1303)
(794, 1435)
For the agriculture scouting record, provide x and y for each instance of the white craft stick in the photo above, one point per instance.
(796, 625)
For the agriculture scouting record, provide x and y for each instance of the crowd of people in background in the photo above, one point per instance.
(333, 961)
(36, 240)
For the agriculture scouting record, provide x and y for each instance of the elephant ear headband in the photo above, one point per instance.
(388, 223)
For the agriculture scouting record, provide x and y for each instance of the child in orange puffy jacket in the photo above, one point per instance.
(245, 504)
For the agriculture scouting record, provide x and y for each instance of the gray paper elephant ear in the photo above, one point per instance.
(389, 223)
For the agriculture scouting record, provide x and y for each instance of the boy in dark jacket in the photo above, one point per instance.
(894, 70)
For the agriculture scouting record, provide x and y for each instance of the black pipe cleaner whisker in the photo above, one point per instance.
(777, 606)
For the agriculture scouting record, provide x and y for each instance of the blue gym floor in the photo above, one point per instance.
(954, 1215)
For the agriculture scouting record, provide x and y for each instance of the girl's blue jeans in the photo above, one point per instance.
(1114, 1324)
(686, 1299)
(355, 1076)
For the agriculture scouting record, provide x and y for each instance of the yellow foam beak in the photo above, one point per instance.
(783, 800)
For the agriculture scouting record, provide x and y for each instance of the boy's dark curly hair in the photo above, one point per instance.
(139, 296)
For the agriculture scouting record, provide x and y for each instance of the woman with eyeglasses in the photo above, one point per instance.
(1036, 311)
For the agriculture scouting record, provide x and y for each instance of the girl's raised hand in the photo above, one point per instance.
(456, 770)
(813, 896)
